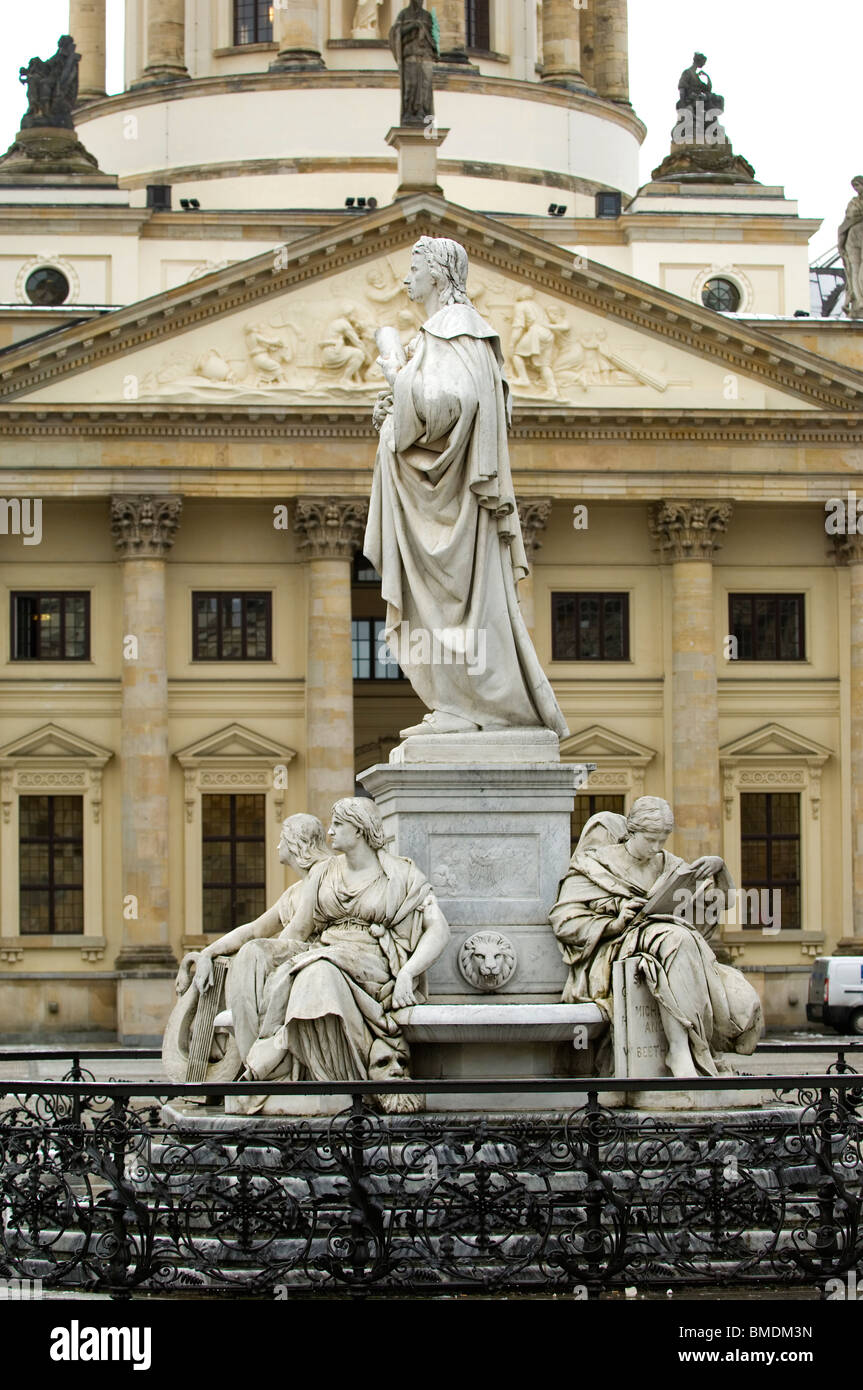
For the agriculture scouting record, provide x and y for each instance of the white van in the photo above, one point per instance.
(836, 993)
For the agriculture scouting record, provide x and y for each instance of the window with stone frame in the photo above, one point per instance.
(51, 865)
(590, 626)
(767, 627)
(478, 24)
(232, 626)
(50, 625)
(233, 834)
(253, 21)
(770, 851)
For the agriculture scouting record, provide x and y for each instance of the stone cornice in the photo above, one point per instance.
(736, 345)
(546, 422)
(332, 79)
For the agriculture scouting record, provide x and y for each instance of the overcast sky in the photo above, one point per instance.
(793, 105)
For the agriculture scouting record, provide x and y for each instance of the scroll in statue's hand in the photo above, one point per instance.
(403, 993)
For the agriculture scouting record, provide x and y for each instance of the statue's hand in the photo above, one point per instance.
(709, 865)
(626, 914)
(203, 973)
(184, 974)
(403, 993)
(382, 408)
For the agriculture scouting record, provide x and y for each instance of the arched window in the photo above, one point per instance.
(253, 21)
(478, 24)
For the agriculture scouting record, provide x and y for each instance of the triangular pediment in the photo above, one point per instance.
(295, 327)
(599, 743)
(234, 744)
(771, 743)
(50, 744)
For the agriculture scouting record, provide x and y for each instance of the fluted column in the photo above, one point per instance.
(166, 43)
(296, 31)
(332, 531)
(561, 44)
(611, 49)
(688, 534)
(452, 20)
(143, 528)
(849, 551)
(87, 27)
(533, 516)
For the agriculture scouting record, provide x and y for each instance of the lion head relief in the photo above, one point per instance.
(487, 960)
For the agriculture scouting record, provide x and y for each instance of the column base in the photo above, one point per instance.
(417, 149)
(849, 946)
(156, 77)
(569, 81)
(456, 58)
(298, 60)
(145, 994)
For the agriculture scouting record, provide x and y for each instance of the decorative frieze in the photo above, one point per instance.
(144, 526)
(688, 530)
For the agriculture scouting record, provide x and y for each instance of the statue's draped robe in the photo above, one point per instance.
(250, 969)
(715, 1003)
(328, 1003)
(443, 532)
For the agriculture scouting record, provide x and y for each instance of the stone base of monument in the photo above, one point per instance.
(640, 1047)
(55, 153)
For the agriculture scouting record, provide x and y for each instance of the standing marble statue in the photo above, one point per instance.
(443, 529)
(413, 45)
(365, 927)
(851, 251)
(619, 864)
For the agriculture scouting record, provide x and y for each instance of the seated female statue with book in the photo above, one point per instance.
(626, 896)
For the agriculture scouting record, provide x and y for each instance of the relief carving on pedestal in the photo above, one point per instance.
(487, 960)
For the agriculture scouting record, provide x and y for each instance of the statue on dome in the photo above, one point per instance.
(851, 251)
(695, 86)
(414, 48)
(52, 87)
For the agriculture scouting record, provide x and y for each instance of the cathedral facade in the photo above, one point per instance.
(190, 636)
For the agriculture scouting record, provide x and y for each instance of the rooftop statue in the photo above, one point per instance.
(414, 49)
(695, 86)
(52, 87)
(851, 251)
(610, 907)
(443, 530)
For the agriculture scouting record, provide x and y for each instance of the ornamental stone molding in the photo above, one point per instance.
(848, 550)
(144, 526)
(688, 530)
(534, 516)
(331, 528)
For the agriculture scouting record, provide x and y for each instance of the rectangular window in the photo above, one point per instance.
(231, 627)
(51, 865)
(770, 852)
(767, 627)
(478, 24)
(590, 627)
(253, 21)
(371, 658)
(234, 862)
(50, 626)
(587, 806)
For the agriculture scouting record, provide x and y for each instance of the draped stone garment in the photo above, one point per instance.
(250, 969)
(443, 530)
(715, 1003)
(326, 1006)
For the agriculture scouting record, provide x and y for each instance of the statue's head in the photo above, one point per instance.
(389, 1060)
(857, 183)
(360, 815)
(699, 59)
(437, 263)
(303, 841)
(648, 826)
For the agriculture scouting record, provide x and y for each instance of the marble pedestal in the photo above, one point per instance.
(493, 836)
(640, 1046)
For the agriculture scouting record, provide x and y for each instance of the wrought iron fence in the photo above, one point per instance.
(125, 1187)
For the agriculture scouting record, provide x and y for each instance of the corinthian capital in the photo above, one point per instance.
(848, 550)
(144, 527)
(533, 516)
(331, 527)
(689, 530)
